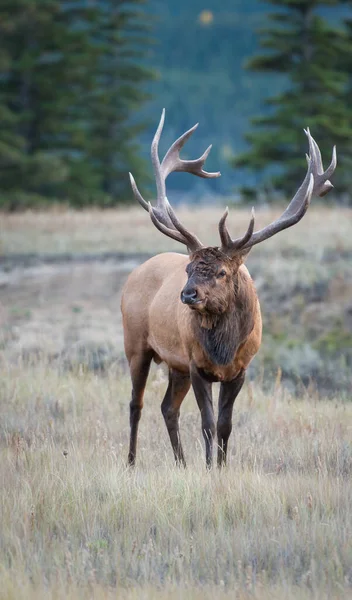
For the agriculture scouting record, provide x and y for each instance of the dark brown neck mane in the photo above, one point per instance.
(221, 335)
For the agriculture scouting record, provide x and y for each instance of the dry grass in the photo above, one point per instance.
(76, 523)
(130, 230)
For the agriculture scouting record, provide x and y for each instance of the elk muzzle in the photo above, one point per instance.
(189, 294)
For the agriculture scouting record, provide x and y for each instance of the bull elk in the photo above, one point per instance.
(199, 313)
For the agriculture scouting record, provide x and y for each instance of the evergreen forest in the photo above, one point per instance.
(83, 84)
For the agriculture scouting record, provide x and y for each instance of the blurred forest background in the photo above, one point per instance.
(83, 83)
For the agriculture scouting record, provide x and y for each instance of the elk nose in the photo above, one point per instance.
(189, 296)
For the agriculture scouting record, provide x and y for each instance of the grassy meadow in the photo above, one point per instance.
(130, 230)
(75, 522)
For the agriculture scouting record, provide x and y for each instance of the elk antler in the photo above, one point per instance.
(162, 215)
(315, 182)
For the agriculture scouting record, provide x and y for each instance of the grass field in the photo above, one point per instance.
(75, 522)
(130, 230)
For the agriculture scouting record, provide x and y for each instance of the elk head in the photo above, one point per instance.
(212, 270)
(210, 285)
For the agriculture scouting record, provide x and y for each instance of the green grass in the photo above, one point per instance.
(76, 523)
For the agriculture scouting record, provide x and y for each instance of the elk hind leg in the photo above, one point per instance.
(139, 368)
(179, 384)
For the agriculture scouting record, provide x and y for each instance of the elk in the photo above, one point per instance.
(199, 313)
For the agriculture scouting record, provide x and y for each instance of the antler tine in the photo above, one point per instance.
(315, 182)
(172, 161)
(163, 212)
(225, 237)
(227, 244)
(299, 196)
(192, 243)
(332, 166)
(282, 223)
(159, 179)
(137, 193)
(322, 184)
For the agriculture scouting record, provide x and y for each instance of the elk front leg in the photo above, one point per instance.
(228, 393)
(179, 384)
(203, 393)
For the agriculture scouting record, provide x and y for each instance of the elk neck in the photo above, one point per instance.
(220, 335)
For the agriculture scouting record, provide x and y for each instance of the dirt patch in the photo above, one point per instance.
(64, 309)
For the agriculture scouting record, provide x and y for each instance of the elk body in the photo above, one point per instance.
(199, 313)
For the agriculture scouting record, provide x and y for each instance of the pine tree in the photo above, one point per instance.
(42, 80)
(308, 51)
(122, 35)
(71, 82)
(346, 151)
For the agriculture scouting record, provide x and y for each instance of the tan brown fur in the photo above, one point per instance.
(155, 319)
(157, 325)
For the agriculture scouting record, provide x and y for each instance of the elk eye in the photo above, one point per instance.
(222, 273)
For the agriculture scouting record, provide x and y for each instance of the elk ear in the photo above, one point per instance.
(238, 258)
(244, 253)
